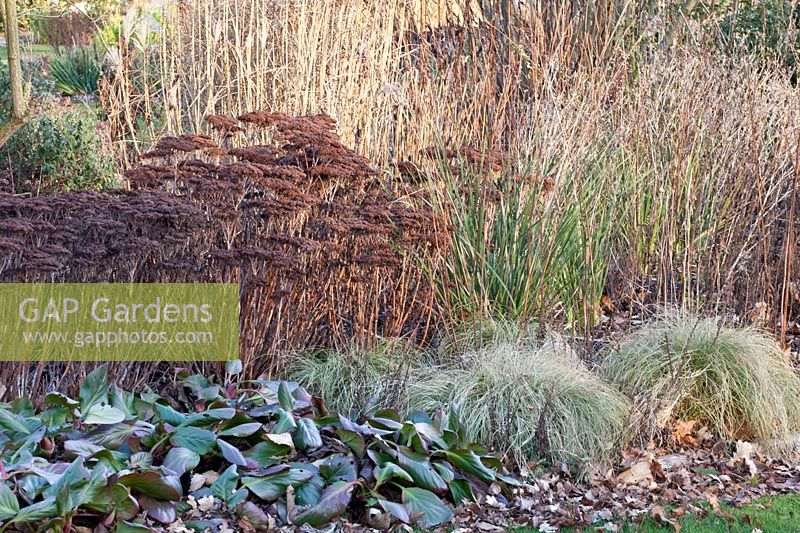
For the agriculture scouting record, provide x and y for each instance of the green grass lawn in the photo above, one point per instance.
(778, 514)
(31, 51)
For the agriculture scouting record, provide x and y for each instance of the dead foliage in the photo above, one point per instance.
(324, 251)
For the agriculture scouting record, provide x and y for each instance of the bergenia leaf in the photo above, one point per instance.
(153, 484)
(132, 527)
(160, 510)
(9, 505)
(233, 367)
(461, 491)
(242, 430)
(169, 415)
(388, 471)
(102, 415)
(225, 485)
(231, 453)
(286, 422)
(467, 461)
(180, 460)
(421, 470)
(56, 398)
(427, 506)
(353, 440)
(334, 502)
(13, 422)
(338, 467)
(285, 398)
(307, 435)
(94, 389)
(38, 511)
(198, 440)
(274, 485)
(398, 510)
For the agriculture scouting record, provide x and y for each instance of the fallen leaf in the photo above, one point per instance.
(714, 502)
(206, 503)
(378, 519)
(657, 512)
(744, 453)
(673, 461)
(210, 477)
(683, 432)
(179, 527)
(637, 473)
(197, 482)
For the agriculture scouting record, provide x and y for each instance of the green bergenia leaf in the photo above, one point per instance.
(467, 461)
(102, 415)
(225, 485)
(273, 486)
(94, 389)
(334, 502)
(242, 430)
(38, 511)
(231, 453)
(9, 505)
(427, 505)
(198, 440)
(285, 422)
(285, 398)
(338, 467)
(180, 460)
(421, 470)
(388, 471)
(169, 415)
(307, 435)
(13, 422)
(353, 440)
(461, 491)
(153, 484)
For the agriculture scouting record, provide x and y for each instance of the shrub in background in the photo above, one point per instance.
(63, 29)
(738, 381)
(40, 87)
(768, 28)
(59, 151)
(528, 401)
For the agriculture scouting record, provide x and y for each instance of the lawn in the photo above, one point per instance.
(775, 514)
(32, 51)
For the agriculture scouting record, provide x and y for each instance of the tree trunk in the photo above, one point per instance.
(18, 107)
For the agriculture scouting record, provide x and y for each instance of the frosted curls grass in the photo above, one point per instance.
(357, 382)
(529, 402)
(738, 381)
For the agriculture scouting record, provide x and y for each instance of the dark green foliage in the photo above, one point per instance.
(111, 450)
(765, 28)
(61, 150)
(76, 71)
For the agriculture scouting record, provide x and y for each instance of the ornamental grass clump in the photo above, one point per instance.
(736, 380)
(529, 401)
(358, 381)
